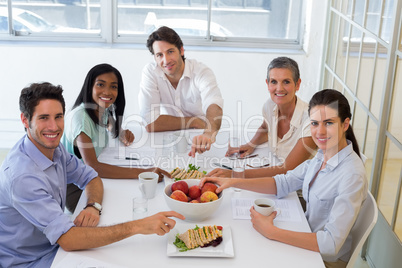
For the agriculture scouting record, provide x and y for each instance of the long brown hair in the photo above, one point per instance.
(337, 101)
(85, 97)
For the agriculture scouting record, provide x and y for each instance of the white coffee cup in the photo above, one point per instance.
(181, 142)
(148, 184)
(265, 206)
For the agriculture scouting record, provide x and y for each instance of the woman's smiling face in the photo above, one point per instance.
(281, 85)
(105, 90)
(327, 130)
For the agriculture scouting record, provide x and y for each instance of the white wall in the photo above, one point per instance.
(241, 75)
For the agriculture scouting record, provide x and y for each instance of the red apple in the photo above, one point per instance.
(209, 186)
(180, 185)
(179, 196)
(194, 192)
(208, 196)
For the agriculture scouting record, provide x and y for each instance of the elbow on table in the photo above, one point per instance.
(65, 245)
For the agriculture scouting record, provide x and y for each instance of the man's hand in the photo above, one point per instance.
(126, 137)
(201, 143)
(159, 224)
(88, 217)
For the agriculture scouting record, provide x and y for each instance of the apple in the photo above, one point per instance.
(194, 201)
(179, 196)
(208, 196)
(180, 185)
(209, 186)
(194, 192)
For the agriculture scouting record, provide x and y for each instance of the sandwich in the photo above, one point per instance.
(199, 237)
(182, 174)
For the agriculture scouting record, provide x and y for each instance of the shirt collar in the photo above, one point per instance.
(297, 117)
(334, 161)
(38, 157)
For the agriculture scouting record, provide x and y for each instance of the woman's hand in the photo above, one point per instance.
(246, 149)
(126, 137)
(220, 172)
(263, 224)
(222, 182)
(243, 150)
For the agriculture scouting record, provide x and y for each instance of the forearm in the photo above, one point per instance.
(115, 172)
(78, 238)
(297, 239)
(260, 137)
(265, 172)
(168, 123)
(301, 152)
(94, 191)
(260, 185)
(214, 120)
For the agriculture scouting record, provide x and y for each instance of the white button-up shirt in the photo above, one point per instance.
(196, 91)
(333, 200)
(299, 128)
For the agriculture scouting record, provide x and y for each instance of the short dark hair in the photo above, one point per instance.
(34, 93)
(285, 63)
(85, 96)
(337, 101)
(166, 34)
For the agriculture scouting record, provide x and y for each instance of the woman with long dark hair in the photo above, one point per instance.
(99, 107)
(334, 184)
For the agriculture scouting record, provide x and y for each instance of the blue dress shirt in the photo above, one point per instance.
(32, 201)
(333, 201)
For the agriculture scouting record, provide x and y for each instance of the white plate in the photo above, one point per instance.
(224, 249)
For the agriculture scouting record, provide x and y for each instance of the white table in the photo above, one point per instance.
(251, 249)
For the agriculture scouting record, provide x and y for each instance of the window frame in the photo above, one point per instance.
(109, 33)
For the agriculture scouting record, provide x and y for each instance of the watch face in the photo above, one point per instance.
(98, 206)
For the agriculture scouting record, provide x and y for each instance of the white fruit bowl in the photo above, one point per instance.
(194, 212)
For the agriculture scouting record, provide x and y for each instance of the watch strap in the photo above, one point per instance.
(94, 205)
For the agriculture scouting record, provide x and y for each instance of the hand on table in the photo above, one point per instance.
(263, 224)
(201, 143)
(160, 223)
(220, 172)
(243, 150)
(126, 137)
(88, 217)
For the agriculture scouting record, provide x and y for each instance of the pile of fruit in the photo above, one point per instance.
(194, 194)
(191, 173)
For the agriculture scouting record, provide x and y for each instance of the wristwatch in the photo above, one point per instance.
(96, 206)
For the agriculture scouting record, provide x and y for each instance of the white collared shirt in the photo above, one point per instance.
(299, 128)
(196, 91)
(333, 201)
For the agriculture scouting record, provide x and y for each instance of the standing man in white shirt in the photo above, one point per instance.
(178, 93)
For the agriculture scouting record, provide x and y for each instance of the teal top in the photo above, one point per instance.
(77, 121)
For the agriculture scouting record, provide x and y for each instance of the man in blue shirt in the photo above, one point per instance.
(33, 182)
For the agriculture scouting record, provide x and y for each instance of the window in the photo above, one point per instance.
(358, 63)
(51, 18)
(244, 23)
